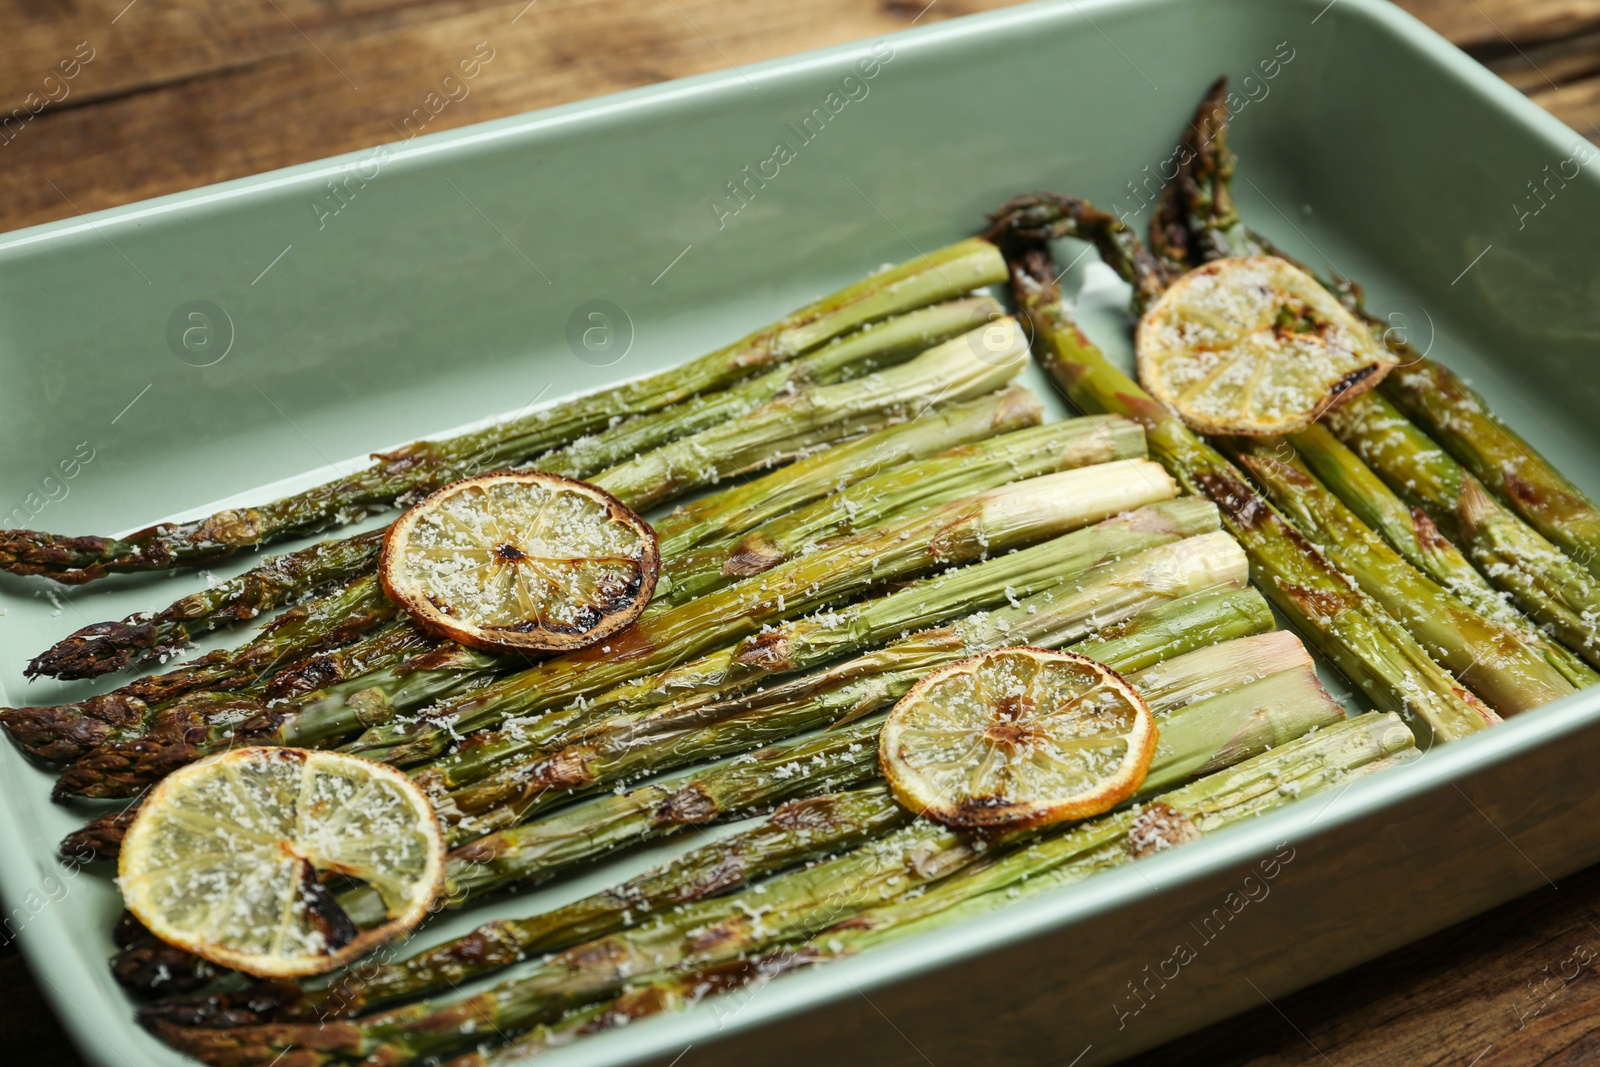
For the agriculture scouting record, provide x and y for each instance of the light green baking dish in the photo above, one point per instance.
(354, 303)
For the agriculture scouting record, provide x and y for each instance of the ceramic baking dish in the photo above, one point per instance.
(396, 293)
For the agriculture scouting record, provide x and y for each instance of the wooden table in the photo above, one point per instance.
(171, 94)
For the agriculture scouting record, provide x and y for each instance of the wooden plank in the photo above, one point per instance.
(1562, 76)
(1578, 105)
(164, 42)
(1543, 67)
(154, 42)
(1475, 24)
(186, 93)
(352, 84)
(1549, 49)
(1514, 987)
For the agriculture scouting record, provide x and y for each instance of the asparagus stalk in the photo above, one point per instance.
(801, 767)
(187, 730)
(1183, 626)
(1362, 640)
(960, 531)
(1004, 518)
(1338, 756)
(399, 647)
(104, 647)
(519, 792)
(787, 907)
(1455, 416)
(805, 767)
(1249, 716)
(733, 511)
(1550, 587)
(67, 731)
(798, 832)
(795, 422)
(797, 768)
(784, 906)
(1492, 660)
(148, 965)
(1196, 215)
(1255, 717)
(1415, 536)
(1208, 735)
(633, 744)
(405, 686)
(672, 993)
(1193, 676)
(216, 720)
(899, 492)
(941, 275)
(222, 714)
(1334, 756)
(834, 759)
(99, 839)
(146, 636)
(875, 347)
(801, 643)
(726, 674)
(662, 738)
(1555, 590)
(114, 770)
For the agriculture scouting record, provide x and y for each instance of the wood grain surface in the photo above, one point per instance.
(133, 100)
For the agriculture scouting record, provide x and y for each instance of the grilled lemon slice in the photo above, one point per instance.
(227, 858)
(1017, 737)
(521, 561)
(1254, 345)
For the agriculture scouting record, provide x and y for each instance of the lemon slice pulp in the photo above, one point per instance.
(521, 560)
(1254, 345)
(1017, 737)
(228, 858)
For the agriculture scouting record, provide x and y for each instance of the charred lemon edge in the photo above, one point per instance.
(412, 597)
(1115, 790)
(1353, 383)
(259, 964)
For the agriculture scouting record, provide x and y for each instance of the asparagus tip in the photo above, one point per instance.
(56, 734)
(123, 769)
(263, 1044)
(68, 560)
(95, 650)
(148, 966)
(100, 839)
(264, 1001)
